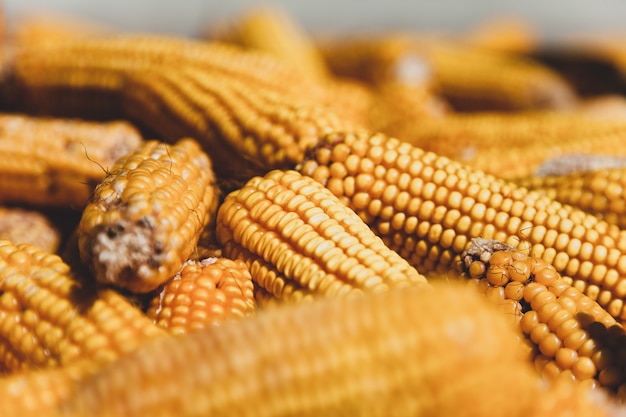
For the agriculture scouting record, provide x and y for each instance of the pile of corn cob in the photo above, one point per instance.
(260, 222)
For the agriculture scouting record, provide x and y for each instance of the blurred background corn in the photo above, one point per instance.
(299, 241)
(20, 225)
(415, 351)
(55, 162)
(147, 215)
(514, 145)
(50, 316)
(428, 208)
(272, 29)
(202, 294)
(599, 192)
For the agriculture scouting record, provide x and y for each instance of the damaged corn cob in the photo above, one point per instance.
(300, 241)
(49, 315)
(600, 192)
(496, 142)
(57, 162)
(399, 353)
(20, 225)
(573, 337)
(146, 216)
(204, 293)
(428, 208)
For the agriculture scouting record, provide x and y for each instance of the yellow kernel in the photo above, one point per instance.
(584, 368)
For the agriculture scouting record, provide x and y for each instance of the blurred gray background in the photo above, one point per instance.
(552, 18)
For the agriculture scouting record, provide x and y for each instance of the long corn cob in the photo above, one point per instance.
(57, 162)
(49, 316)
(428, 208)
(204, 293)
(245, 128)
(601, 192)
(497, 142)
(20, 225)
(300, 241)
(476, 79)
(273, 30)
(401, 353)
(146, 216)
(572, 336)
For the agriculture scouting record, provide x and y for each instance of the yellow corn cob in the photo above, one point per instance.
(204, 293)
(20, 225)
(505, 34)
(379, 60)
(401, 353)
(497, 142)
(93, 71)
(57, 162)
(300, 241)
(600, 192)
(48, 316)
(146, 216)
(428, 208)
(476, 79)
(245, 128)
(572, 336)
(273, 30)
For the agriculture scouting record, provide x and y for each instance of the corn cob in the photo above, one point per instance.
(573, 337)
(475, 79)
(49, 316)
(20, 225)
(203, 294)
(399, 353)
(300, 241)
(273, 30)
(573, 163)
(600, 192)
(428, 208)
(380, 60)
(504, 34)
(246, 129)
(146, 216)
(496, 142)
(57, 162)
(92, 72)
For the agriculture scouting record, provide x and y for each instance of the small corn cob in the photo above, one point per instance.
(600, 192)
(57, 162)
(428, 208)
(477, 79)
(497, 142)
(245, 128)
(202, 294)
(300, 241)
(20, 225)
(401, 353)
(49, 316)
(273, 30)
(573, 337)
(146, 216)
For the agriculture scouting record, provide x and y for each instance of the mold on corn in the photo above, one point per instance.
(146, 216)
